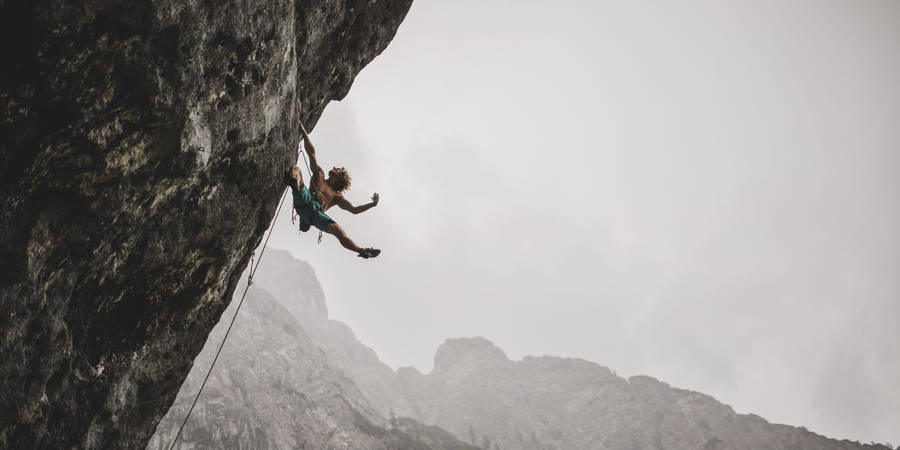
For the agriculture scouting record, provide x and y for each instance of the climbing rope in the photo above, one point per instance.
(253, 270)
(302, 150)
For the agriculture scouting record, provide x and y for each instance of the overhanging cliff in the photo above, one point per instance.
(141, 145)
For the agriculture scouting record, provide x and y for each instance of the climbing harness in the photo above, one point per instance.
(315, 194)
(301, 149)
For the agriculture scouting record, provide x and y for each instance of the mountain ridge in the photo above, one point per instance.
(480, 396)
(273, 388)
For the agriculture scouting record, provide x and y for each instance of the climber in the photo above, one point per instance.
(323, 193)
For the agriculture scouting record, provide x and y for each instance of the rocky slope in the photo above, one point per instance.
(561, 403)
(294, 285)
(273, 388)
(141, 144)
(481, 396)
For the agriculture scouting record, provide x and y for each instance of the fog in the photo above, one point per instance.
(705, 193)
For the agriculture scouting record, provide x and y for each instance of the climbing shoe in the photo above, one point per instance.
(369, 253)
(304, 227)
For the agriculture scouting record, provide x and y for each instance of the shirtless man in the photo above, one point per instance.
(323, 193)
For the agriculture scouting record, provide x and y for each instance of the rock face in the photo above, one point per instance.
(274, 388)
(141, 148)
(294, 285)
(562, 403)
(482, 397)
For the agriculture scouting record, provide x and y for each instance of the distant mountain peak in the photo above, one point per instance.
(465, 352)
(294, 281)
(321, 374)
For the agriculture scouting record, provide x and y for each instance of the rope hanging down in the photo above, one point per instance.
(243, 296)
(302, 150)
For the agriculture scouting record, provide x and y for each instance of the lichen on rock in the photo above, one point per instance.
(141, 147)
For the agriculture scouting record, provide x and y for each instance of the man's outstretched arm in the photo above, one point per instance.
(345, 204)
(311, 151)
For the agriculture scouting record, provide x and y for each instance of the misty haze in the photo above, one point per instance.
(537, 225)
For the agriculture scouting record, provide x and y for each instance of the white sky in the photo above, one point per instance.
(705, 193)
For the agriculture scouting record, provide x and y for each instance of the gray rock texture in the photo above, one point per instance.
(542, 403)
(479, 395)
(273, 387)
(294, 285)
(141, 150)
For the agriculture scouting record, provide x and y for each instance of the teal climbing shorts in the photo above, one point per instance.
(309, 210)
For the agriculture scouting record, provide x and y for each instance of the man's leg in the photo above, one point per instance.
(334, 229)
(297, 174)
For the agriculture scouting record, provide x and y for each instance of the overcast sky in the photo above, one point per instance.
(705, 193)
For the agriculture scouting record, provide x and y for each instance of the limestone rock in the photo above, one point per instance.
(480, 396)
(460, 353)
(141, 148)
(566, 403)
(272, 388)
